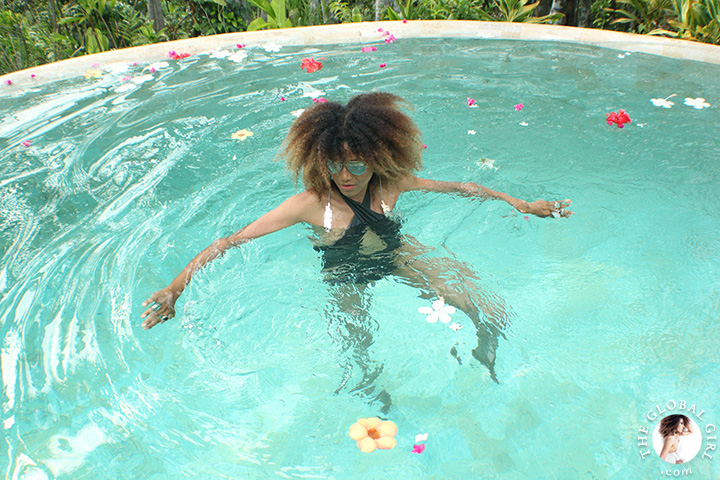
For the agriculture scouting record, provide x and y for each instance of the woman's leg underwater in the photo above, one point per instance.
(353, 328)
(455, 282)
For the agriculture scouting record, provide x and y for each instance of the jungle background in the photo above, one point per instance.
(34, 32)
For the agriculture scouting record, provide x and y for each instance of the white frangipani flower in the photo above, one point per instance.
(220, 54)
(698, 103)
(238, 56)
(439, 311)
(663, 102)
(272, 47)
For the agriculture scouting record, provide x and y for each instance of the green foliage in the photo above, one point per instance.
(517, 11)
(641, 16)
(696, 20)
(345, 12)
(276, 15)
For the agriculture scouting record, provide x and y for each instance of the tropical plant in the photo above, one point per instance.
(641, 16)
(695, 20)
(517, 11)
(275, 12)
(344, 12)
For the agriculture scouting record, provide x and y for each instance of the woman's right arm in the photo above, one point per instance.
(303, 207)
(666, 448)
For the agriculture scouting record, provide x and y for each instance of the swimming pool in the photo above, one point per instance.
(614, 310)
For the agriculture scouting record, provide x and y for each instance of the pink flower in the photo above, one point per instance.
(126, 79)
(368, 49)
(240, 45)
(390, 39)
(383, 65)
(32, 75)
(282, 99)
(372, 433)
(26, 143)
(518, 107)
(527, 217)
(8, 82)
(418, 448)
(380, 30)
(620, 118)
(178, 56)
(95, 65)
(319, 100)
(152, 70)
(404, 21)
(134, 64)
(311, 65)
(471, 102)
(424, 146)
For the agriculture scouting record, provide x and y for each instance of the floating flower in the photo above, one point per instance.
(240, 45)
(418, 448)
(142, 79)
(439, 311)
(220, 54)
(320, 100)
(311, 65)
(698, 103)
(620, 55)
(126, 79)
(93, 74)
(663, 102)
(238, 56)
(380, 30)
(8, 82)
(126, 87)
(272, 47)
(424, 146)
(518, 107)
(421, 437)
(26, 143)
(404, 21)
(242, 135)
(487, 164)
(371, 433)
(454, 326)
(383, 65)
(471, 132)
(620, 118)
(390, 38)
(524, 124)
(177, 56)
(527, 217)
(32, 75)
(471, 102)
(95, 65)
(368, 49)
(282, 99)
(157, 66)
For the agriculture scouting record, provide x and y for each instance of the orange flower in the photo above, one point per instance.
(311, 65)
(371, 433)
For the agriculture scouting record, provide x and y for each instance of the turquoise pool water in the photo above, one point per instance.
(614, 311)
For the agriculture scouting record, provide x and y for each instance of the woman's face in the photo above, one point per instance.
(351, 185)
(681, 426)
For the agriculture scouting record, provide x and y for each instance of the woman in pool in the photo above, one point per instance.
(672, 428)
(355, 160)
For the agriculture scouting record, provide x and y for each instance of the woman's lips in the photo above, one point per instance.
(347, 187)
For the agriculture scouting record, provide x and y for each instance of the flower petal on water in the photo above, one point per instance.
(357, 432)
(367, 445)
(386, 443)
(387, 428)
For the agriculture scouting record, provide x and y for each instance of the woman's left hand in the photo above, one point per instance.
(542, 208)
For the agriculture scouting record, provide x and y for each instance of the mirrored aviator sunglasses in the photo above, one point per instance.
(355, 168)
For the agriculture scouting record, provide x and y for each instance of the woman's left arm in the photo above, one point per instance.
(541, 208)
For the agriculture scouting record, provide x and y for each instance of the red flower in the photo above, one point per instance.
(620, 118)
(311, 65)
(177, 56)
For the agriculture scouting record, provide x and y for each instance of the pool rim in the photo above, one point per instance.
(367, 33)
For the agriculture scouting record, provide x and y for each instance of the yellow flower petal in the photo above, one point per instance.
(242, 134)
(369, 423)
(387, 428)
(386, 443)
(358, 432)
(367, 445)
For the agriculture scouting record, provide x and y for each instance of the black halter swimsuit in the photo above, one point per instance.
(345, 262)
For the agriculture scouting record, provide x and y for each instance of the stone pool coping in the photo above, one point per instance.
(366, 33)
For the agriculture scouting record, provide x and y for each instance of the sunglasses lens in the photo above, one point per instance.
(356, 168)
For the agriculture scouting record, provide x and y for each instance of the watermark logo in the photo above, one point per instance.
(675, 433)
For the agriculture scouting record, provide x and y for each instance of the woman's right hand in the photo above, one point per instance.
(161, 308)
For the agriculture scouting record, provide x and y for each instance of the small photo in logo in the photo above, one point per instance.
(677, 439)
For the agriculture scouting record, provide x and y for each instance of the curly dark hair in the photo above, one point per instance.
(371, 128)
(669, 424)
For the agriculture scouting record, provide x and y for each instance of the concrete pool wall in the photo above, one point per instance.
(367, 32)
